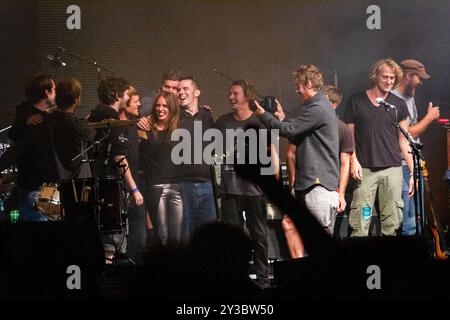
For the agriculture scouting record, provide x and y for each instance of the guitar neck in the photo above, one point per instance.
(430, 197)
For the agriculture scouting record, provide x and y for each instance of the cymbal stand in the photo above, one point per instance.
(96, 150)
(4, 129)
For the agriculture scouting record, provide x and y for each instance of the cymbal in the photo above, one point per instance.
(110, 123)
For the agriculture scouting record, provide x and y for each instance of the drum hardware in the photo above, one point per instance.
(7, 183)
(7, 172)
(112, 205)
(111, 202)
(74, 189)
(98, 67)
(105, 195)
(13, 110)
(85, 194)
(96, 186)
(109, 123)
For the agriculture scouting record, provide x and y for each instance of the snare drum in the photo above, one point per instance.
(48, 202)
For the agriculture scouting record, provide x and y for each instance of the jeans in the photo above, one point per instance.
(198, 204)
(27, 211)
(409, 210)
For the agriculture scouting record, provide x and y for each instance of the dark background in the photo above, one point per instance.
(261, 41)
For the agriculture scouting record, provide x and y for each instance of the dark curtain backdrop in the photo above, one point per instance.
(261, 41)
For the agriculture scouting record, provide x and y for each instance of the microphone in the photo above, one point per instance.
(108, 151)
(56, 60)
(384, 103)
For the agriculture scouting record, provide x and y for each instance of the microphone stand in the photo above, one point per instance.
(417, 174)
(97, 66)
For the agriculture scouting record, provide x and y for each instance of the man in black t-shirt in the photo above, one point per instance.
(136, 214)
(196, 186)
(376, 164)
(69, 135)
(113, 94)
(242, 200)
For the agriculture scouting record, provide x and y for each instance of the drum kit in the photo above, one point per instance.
(84, 199)
(7, 182)
(79, 202)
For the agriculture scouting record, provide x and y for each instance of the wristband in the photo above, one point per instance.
(134, 189)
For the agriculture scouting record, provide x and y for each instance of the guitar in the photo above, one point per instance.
(432, 221)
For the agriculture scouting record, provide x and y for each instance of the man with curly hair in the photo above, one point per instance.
(315, 133)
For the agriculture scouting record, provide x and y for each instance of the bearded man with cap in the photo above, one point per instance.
(413, 74)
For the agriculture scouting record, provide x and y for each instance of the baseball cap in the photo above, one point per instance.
(414, 66)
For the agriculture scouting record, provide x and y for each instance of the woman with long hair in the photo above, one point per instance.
(163, 196)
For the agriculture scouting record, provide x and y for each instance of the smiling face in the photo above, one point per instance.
(133, 105)
(237, 97)
(305, 91)
(385, 79)
(413, 81)
(187, 94)
(162, 111)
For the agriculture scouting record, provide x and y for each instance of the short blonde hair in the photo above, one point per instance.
(376, 68)
(131, 92)
(309, 73)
